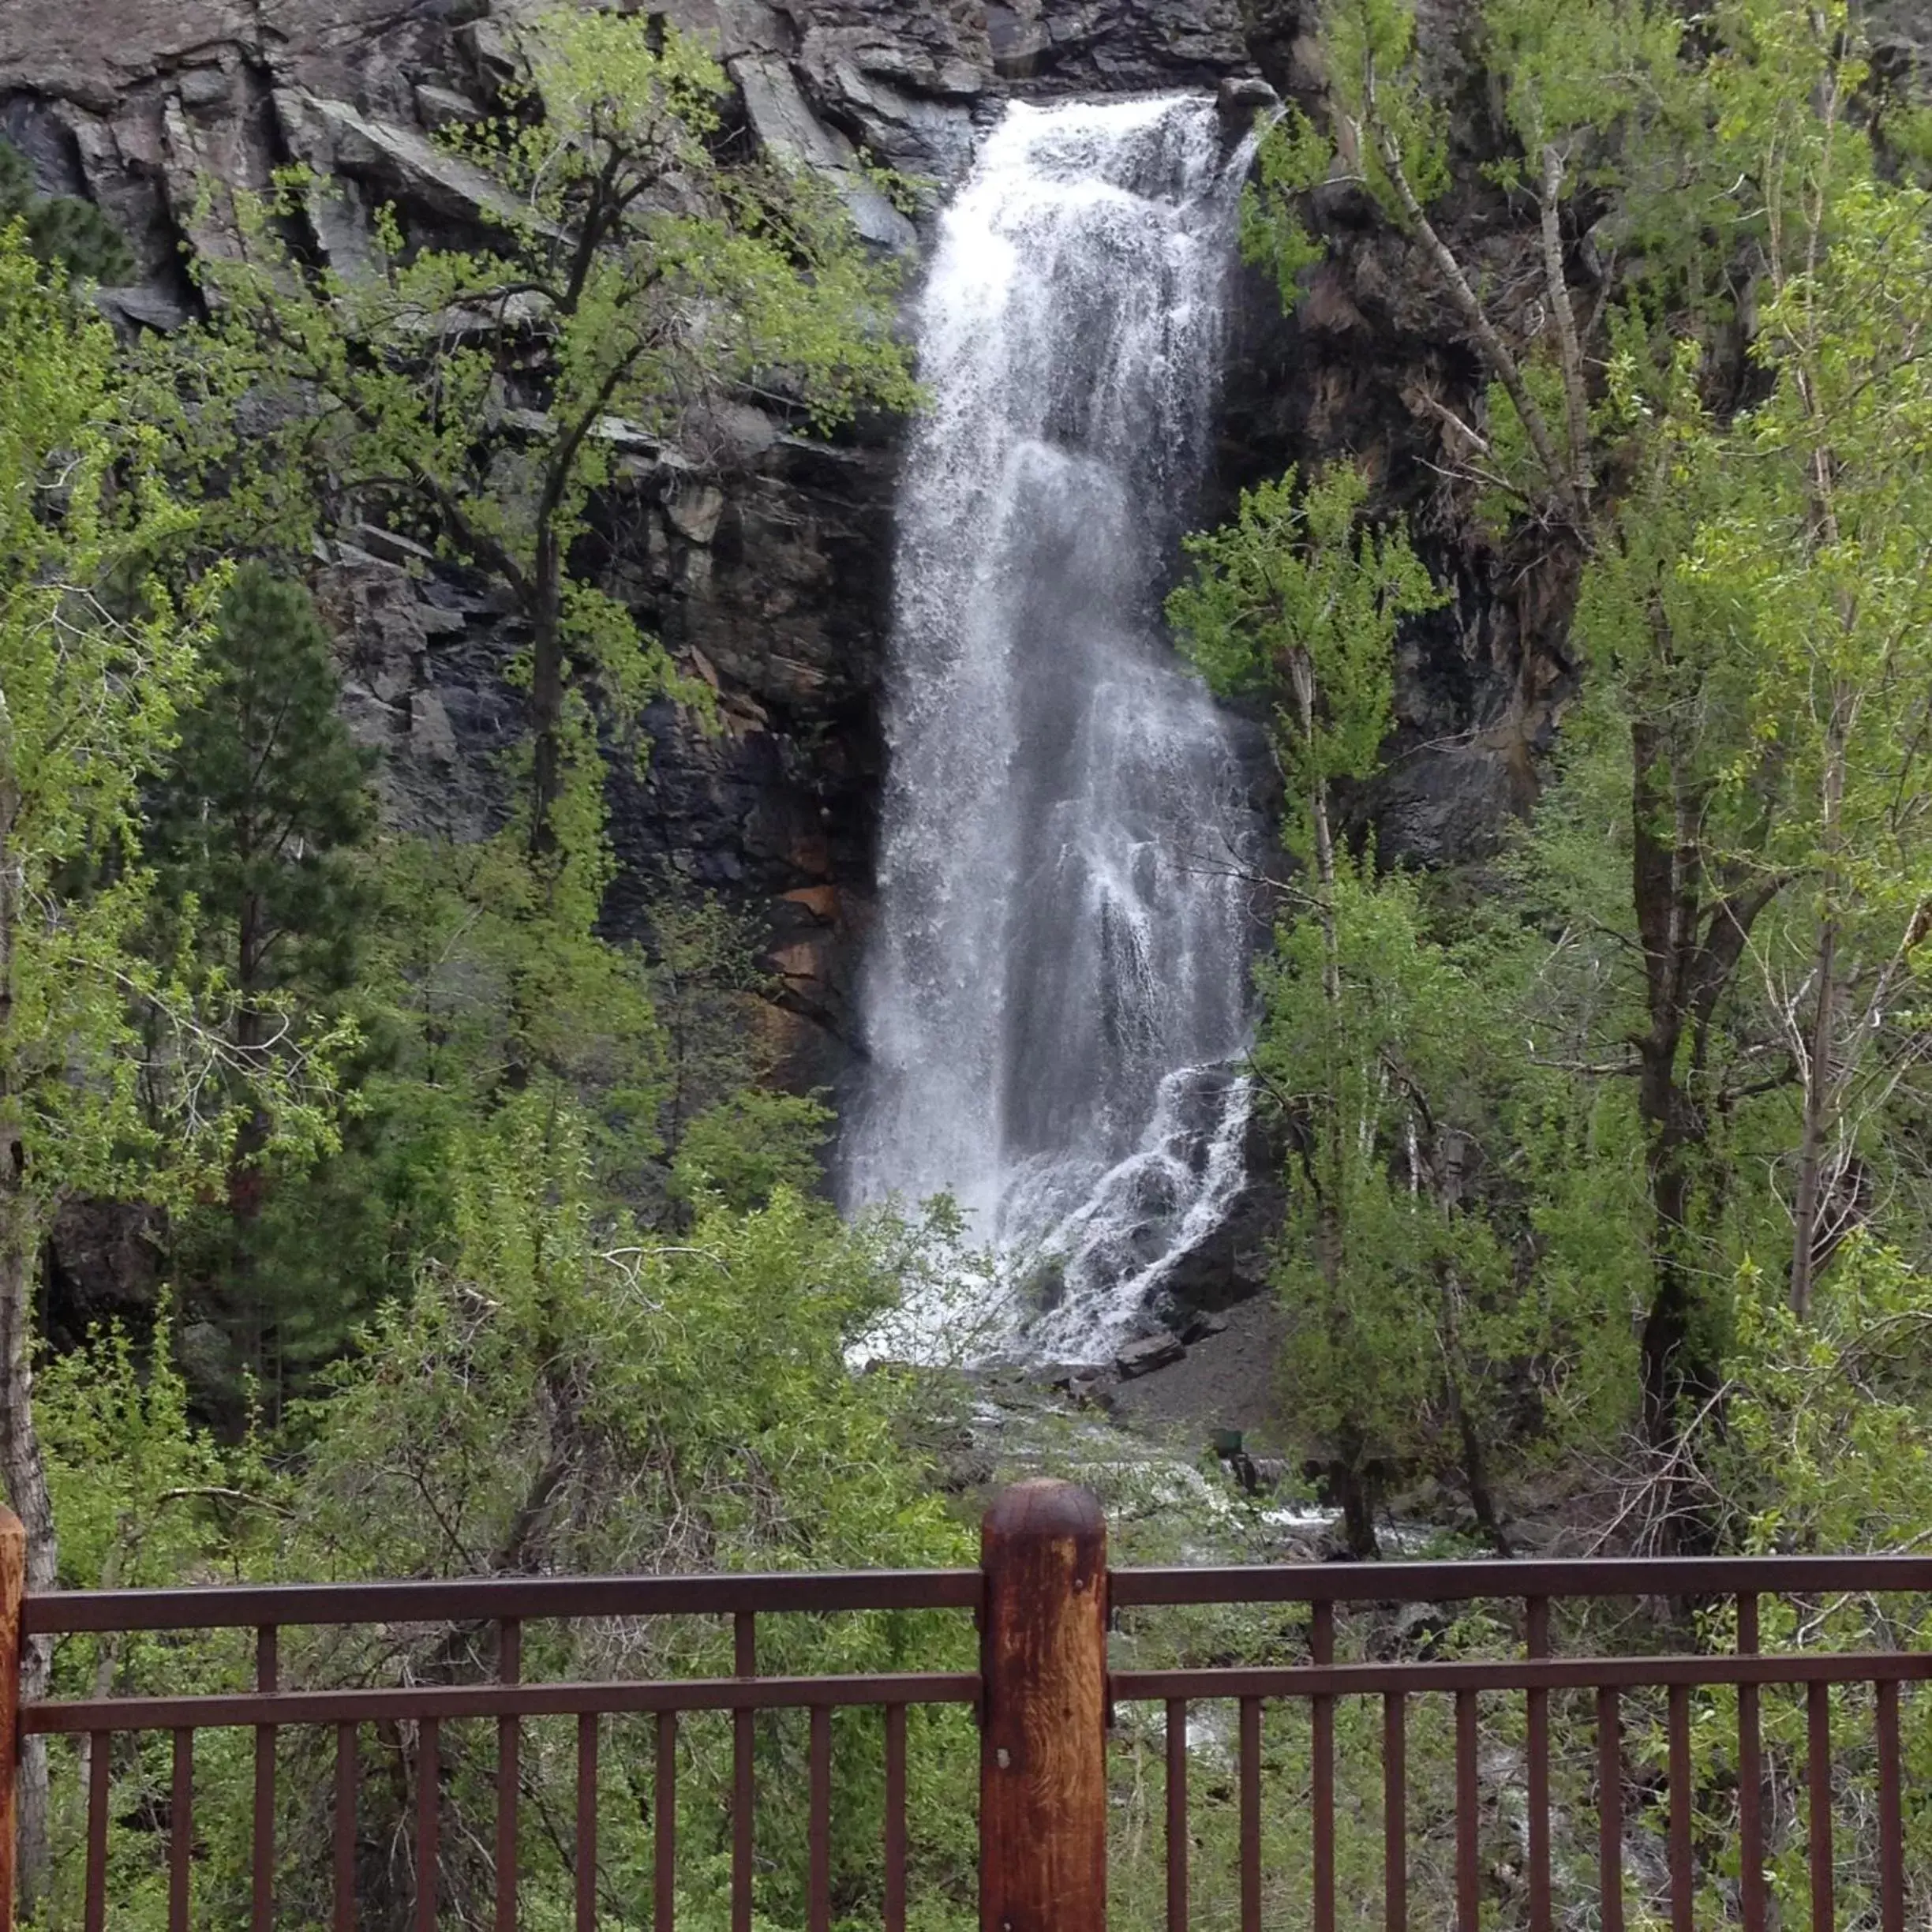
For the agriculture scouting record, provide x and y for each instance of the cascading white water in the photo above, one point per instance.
(1054, 1001)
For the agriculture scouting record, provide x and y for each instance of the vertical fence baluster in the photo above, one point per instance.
(181, 1829)
(820, 1829)
(1891, 1813)
(1394, 1812)
(262, 1882)
(100, 1768)
(1321, 1723)
(1251, 1814)
(1682, 1881)
(1469, 1875)
(1818, 1778)
(1750, 1779)
(744, 1645)
(1610, 1809)
(1177, 1815)
(345, 1828)
(428, 1814)
(663, 1801)
(586, 1821)
(1538, 1645)
(895, 1817)
(509, 1740)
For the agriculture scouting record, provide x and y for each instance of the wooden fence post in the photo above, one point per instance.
(1043, 1747)
(13, 1587)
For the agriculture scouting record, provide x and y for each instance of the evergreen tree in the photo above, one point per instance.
(255, 832)
(62, 229)
(266, 801)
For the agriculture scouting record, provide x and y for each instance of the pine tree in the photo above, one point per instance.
(266, 800)
(62, 229)
(255, 832)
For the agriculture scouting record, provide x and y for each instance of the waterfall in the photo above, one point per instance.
(1054, 994)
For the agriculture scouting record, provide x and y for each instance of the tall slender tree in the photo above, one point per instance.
(254, 829)
(264, 802)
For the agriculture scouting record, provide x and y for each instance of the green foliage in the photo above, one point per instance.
(1382, 123)
(1292, 157)
(1362, 1362)
(1300, 594)
(1828, 1441)
(706, 986)
(1591, 80)
(144, 1495)
(1401, 1297)
(550, 1400)
(99, 662)
(265, 799)
(62, 231)
(744, 1149)
(649, 276)
(554, 1326)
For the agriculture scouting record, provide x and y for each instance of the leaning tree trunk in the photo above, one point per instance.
(25, 1474)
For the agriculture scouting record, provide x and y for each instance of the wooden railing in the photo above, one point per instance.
(1043, 1599)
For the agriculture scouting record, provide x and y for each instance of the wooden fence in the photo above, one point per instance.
(1043, 1599)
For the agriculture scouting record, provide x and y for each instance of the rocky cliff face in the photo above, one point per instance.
(762, 560)
(1371, 364)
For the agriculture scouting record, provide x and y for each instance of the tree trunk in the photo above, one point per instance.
(1476, 1478)
(1819, 1088)
(1475, 1457)
(1674, 1364)
(1576, 398)
(21, 1469)
(25, 1473)
(1352, 1490)
(546, 700)
(1564, 486)
(1683, 975)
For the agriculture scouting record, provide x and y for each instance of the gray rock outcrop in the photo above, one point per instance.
(762, 559)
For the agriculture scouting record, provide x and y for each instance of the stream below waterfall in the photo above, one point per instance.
(1055, 1001)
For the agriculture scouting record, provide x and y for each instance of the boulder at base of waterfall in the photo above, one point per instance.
(1150, 1353)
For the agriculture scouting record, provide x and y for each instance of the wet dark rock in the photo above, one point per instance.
(104, 1263)
(1198, 1325)
(1152, 1352)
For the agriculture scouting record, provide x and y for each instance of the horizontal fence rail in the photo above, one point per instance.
(1336, 1762)
(502, 1607)
(1694, 1888)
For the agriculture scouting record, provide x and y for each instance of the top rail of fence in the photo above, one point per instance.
(241, 1606)
(1571, 1577)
